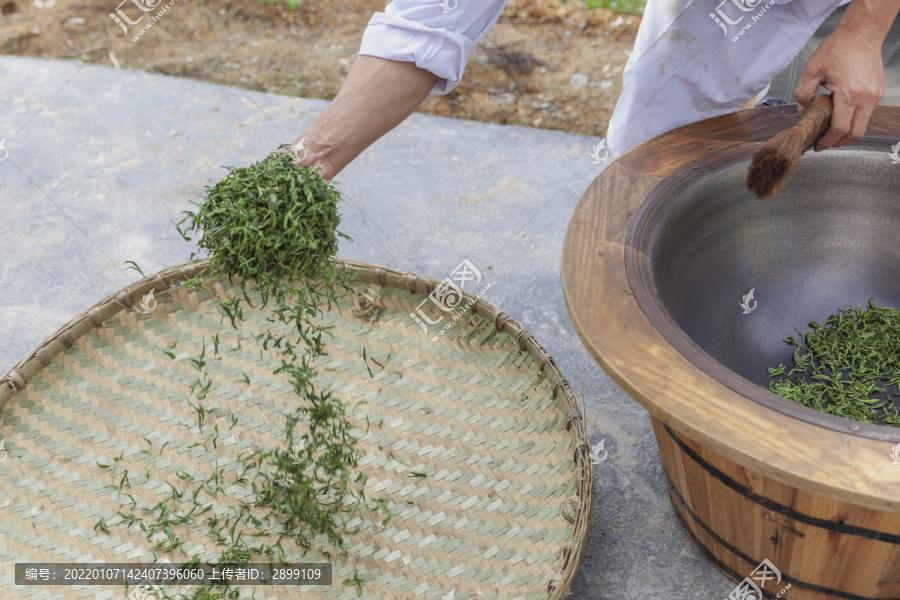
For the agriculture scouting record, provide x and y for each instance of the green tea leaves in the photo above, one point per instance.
(847, 366)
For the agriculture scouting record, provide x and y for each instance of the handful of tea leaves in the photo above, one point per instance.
(847, 366)
(268, 222)
(273, 226)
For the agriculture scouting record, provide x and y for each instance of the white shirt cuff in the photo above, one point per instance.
(438, 36)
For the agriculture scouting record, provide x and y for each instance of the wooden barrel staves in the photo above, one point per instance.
(660, 251)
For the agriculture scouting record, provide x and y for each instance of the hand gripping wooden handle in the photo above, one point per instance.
(775, 160)
(816, 119)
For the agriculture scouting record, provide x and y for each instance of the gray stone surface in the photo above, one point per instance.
(100, 160)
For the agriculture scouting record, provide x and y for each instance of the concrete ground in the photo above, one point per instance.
(101, 159)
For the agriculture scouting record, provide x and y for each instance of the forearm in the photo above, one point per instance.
(377, 95)
(848, 63)
(868, 21)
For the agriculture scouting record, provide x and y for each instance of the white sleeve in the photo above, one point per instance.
(695, 60)
(437, 35)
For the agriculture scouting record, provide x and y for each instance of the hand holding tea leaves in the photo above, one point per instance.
(273, 226)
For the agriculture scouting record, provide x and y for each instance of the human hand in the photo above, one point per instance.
(308, 154)
(847, 63)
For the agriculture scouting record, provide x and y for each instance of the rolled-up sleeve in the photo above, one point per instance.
(437, 35)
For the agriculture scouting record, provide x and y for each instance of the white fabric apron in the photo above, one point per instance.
(692, 59)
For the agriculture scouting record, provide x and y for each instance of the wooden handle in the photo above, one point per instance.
(774, 161)
(815, 119)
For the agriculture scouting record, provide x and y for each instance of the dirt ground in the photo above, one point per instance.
(545, 64)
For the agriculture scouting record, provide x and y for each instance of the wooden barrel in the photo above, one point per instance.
(791, 506)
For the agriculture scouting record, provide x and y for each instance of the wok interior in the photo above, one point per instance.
(829, 239)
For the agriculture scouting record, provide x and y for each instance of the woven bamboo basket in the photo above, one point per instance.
(504, 509)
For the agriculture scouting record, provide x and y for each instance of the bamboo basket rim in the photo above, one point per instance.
(92, 318)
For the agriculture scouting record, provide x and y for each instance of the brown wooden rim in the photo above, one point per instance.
(580, 514)
(619, 335)
(637, 265)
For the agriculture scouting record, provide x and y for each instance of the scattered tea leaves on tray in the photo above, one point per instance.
(271, 228)
(357, 581)
(848, 366)
(101, 524)
(134, 266)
